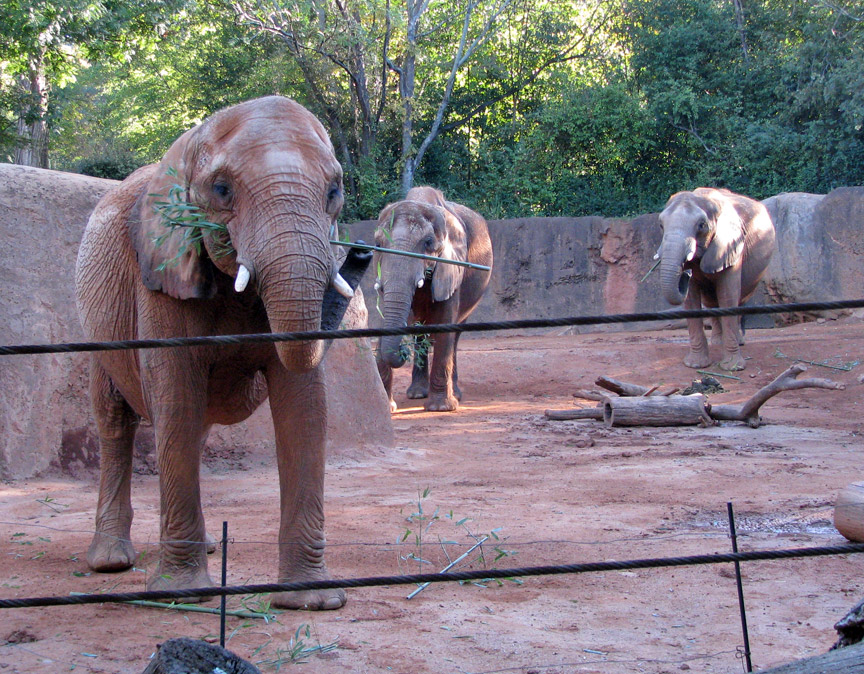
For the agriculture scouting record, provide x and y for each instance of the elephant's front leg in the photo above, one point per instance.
(175, 388)
(419, 387)
(441, 397)
(111, 548)
(698, 355)
(728, 295)
(299, 413)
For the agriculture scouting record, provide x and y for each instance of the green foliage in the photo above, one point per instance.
(179, 215)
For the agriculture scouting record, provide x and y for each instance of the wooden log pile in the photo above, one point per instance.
(626, 404)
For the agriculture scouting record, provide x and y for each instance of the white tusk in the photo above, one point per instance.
(420, 283)
(242, 279)
(342, 287)
(377, 285)
(691, 253)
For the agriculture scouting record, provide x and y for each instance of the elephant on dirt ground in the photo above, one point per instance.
(418, 291)
(716, 247)
(229, 234)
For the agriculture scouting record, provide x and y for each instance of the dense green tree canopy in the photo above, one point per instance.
(515, 107)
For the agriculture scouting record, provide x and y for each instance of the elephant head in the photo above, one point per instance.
(417, 227)
(264, 175)
(700, 229)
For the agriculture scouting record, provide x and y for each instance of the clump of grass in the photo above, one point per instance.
(299, 649)
(420, 529)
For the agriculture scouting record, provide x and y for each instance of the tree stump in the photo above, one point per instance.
(190, 656)
(849, 512)
(657, 411)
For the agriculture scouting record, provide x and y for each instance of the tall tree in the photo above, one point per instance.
(44, 42)
(347, 50)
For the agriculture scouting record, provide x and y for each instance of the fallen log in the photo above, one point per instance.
(841, 661)
(657, 411)
(590, 395)
(786, 381)
(190, 656)
(622, 388)
(595, 413)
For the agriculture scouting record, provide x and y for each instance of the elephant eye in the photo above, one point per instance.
(702, 226)
(429, 243)
(222, 189)
(334, 200)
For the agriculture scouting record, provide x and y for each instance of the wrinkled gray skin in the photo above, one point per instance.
(716, 247)
(425, 223)
(267, 169)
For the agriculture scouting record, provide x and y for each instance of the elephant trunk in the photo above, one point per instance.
(397, 305)
(674, 279)
(293, 273)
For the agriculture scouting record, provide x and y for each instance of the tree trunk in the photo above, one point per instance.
(657, 411)
(595, 413)
(842, 661)
(32, 124)
(190, 656)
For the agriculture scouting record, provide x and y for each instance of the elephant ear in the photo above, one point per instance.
(168, 262)
(454, 246)
(727, 246)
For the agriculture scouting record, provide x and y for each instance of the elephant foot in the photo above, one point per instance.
(697, 359)
(309, 600)
(181, 578)
(733, 363)
(442, 404)
(110, 553)
(416, 391)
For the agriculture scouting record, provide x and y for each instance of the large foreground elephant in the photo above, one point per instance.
(428, 292)
(716, 247)
(265, 174)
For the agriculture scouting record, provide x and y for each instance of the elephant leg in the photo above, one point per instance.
(176, 399)
(420, 371)
(457, 392)
(300, 421)
(441, 398)
(111, 548)
(386, 374)
(716, 331)
(728, 295)
(698, 355)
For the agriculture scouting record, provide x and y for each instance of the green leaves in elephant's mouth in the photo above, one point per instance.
(176, 212)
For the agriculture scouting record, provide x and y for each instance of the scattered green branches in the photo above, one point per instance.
(299, 649)
(178, 213)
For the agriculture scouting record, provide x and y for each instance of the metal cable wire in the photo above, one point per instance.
(482, 574)
(431, 329)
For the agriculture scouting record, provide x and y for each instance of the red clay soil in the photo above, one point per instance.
(553, 493)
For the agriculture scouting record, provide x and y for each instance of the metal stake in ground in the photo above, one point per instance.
(740, 588)
(224, 583)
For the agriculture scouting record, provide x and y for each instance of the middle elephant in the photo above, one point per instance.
(429, 292)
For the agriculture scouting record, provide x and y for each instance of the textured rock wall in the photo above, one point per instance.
(45, 420)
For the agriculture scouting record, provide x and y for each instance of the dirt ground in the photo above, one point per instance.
(552, 492)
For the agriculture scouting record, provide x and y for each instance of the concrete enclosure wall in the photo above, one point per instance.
(45, 420)
(544, 267)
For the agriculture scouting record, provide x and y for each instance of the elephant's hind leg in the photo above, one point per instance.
(111, 548)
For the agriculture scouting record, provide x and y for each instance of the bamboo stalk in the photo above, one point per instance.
(393, 251)
(194, 608)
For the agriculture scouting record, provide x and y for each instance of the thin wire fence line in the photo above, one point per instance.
(483, 574)
(393, 545)
(359, 333)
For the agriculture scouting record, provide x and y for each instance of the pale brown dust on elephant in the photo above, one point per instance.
(716, 247)
(417, 291)
(265, 174)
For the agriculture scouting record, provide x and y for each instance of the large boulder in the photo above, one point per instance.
(820, 250)
(45, 419)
